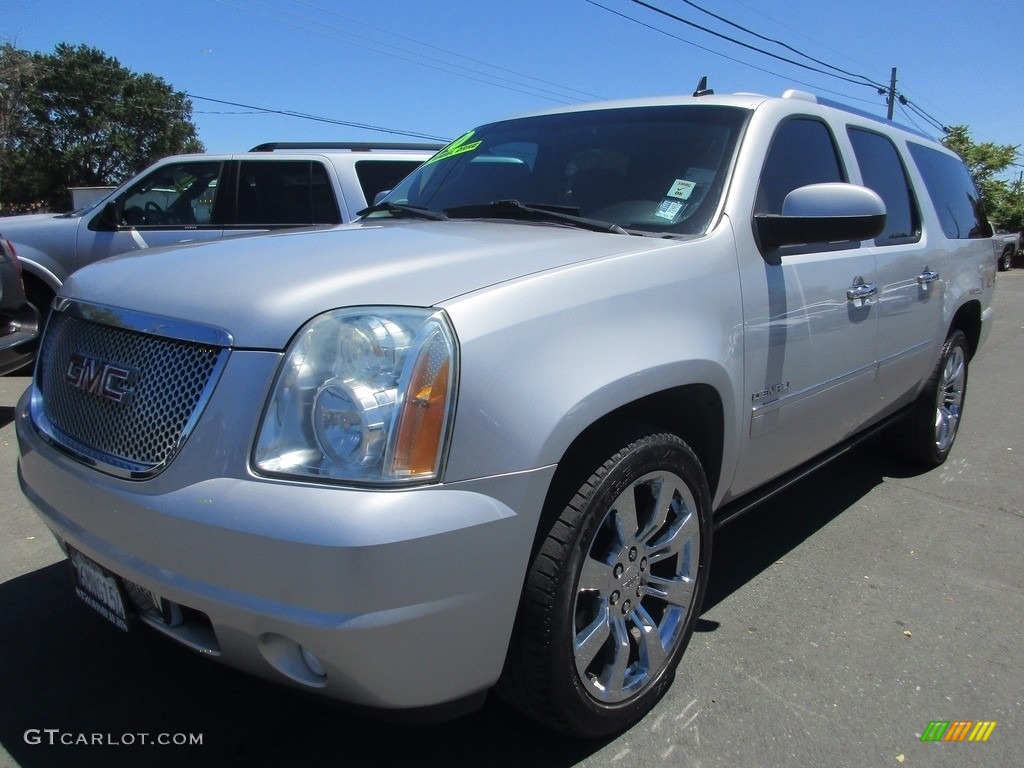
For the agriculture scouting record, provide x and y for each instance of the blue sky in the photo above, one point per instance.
(439, 68)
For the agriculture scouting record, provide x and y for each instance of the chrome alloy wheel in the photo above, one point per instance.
(636, 587)
(950, 398)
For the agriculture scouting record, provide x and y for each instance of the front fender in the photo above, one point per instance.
(546, 357)
(41, 265)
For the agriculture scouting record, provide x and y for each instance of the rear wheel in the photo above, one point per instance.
(926, 436)
(614, 591)
(1006, 260)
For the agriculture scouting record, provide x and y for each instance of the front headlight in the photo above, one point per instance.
(363, 395)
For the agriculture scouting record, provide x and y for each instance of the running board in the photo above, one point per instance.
(734, 509)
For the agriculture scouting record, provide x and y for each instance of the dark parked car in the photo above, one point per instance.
(19, 320)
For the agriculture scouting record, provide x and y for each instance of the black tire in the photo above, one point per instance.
(1006, 260)
(926, 436)
(596, 642)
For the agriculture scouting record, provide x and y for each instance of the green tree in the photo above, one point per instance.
(989, 163)
(76, 117)
(17, 79)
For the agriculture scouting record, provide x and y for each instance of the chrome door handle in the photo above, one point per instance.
(861, 291)
(927, 277)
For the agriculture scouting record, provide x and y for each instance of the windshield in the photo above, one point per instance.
(654, 169)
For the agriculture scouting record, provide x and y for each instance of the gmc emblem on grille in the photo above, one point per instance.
(96, 377)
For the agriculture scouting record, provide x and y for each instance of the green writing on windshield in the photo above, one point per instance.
(458, 147)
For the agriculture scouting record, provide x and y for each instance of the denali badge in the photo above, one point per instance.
(100, 378)
(770, 393)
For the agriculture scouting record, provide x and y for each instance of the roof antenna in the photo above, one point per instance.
(702, 88)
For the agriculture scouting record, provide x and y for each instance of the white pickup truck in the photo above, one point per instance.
(1007, 246)
(190, 198)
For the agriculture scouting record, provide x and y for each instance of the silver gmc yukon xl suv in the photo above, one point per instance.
(482, 437)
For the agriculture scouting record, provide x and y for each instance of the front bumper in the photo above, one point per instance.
(405, 597)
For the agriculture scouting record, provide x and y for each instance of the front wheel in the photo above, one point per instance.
(926, 436)
(613, 594)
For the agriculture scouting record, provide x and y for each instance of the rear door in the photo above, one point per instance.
(909, 273)
(273, 193)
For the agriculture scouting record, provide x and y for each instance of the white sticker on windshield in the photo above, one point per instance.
(681, 189)
(669, 210)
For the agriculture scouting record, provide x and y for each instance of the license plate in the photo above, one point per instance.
(99, 589)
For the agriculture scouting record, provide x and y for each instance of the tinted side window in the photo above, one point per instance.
(286, 192)
(175, 195)
(376, 176)
(883, 171)
(802, 153)
(953, 193)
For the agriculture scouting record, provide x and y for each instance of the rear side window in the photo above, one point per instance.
(953, 193)
(802, 153)
(883, 171)
(285, 192)
(376, 176)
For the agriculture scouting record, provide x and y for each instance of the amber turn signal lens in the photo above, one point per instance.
(422, 419)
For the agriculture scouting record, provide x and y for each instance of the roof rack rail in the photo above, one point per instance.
(872, 116)
(364, 146)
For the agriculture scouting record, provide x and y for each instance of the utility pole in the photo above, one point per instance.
(892, 93)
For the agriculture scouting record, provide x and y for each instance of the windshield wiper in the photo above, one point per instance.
(399, 209)
(513, 209)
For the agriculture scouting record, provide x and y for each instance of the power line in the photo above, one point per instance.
(450, 53)
(795, 31)
(305, 116)
(904, 102)
(725, 56)
(910, 117)
(748, 46)
(779, 43)
(881, 87)
(439, 65)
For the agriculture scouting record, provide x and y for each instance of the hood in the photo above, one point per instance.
(262, 289)
(15, 228)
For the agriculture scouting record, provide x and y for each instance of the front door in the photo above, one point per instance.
(810, 323)
(171, 205)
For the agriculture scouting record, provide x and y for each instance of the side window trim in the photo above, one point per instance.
(912, 194)
(241, 218)
(945, 177)
(123, 225)
(838, 155)
(226, 208)
(327, 173)
(762, 205)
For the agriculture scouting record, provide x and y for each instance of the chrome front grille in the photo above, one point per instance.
(120, 398)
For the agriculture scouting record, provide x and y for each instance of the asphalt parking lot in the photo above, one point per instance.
(844, 616)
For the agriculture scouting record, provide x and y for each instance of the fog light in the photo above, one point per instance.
(292, 660)
(313, 662)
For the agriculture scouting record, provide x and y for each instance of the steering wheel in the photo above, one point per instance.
(154, 214)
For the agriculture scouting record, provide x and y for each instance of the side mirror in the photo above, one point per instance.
(380, 196)
(110, 216)
(823, 213)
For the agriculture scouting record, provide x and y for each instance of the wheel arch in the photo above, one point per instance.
(40, 287)
(693, 412)
(968, 320)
